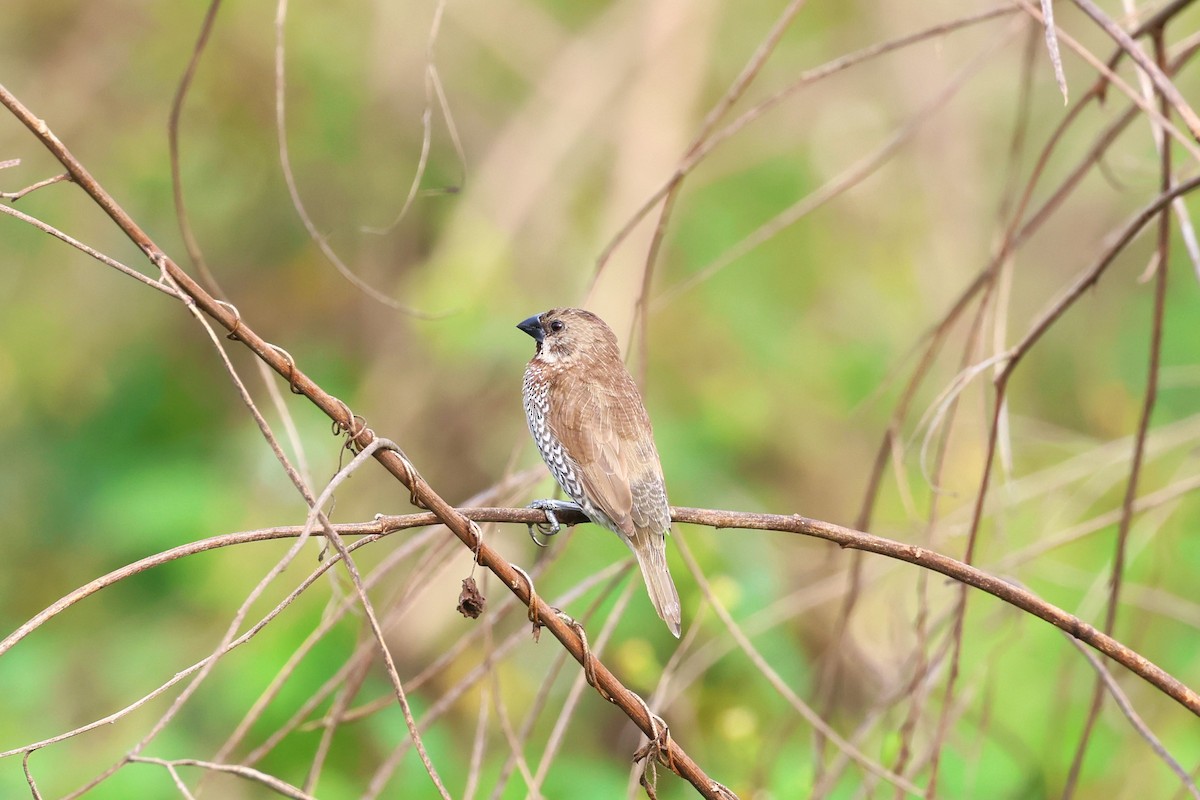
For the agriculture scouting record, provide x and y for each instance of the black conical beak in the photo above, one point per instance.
(533, 327)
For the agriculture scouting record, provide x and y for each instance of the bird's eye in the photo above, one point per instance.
(557, 325)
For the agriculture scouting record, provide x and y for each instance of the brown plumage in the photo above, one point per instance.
(587, 417)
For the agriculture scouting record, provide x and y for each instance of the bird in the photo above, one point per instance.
(591, 427)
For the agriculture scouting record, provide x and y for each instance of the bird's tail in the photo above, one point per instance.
(651, 552)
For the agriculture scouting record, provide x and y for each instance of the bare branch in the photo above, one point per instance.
(96, 254)
(1161, 82)
(282, 788)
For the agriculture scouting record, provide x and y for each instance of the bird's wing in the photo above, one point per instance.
(607, 434)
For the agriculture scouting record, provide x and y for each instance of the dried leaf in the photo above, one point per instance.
(471, 602)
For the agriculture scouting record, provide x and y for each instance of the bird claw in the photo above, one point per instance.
(551, 526)
(542, 528)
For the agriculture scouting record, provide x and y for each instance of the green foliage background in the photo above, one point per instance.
(770, 383)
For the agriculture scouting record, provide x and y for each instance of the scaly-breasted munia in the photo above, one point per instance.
(587, 417)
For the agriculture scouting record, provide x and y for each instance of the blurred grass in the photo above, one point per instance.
(770, 384)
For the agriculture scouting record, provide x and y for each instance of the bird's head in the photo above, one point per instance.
(564, 335)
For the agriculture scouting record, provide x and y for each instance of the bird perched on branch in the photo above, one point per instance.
(587, 417)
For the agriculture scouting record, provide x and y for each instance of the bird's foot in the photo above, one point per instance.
(551, 525)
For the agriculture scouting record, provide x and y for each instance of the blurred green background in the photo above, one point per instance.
(770, 382)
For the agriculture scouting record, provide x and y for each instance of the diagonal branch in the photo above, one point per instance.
(1170, 93)
(421, 492)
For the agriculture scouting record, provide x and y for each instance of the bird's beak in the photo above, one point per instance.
(533, 327)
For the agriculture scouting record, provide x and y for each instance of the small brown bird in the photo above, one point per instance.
(587, 417)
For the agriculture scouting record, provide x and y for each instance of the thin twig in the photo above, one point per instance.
(807, 78)
(1139, 725)
(369, 611)
(190, 243)
(1139, 442)
(785, 691)
(218, 541)
(289, 176)
(33, 789)
(33, 187)
(1108, 75)
(433, 89)
(567, 709)
(849, 178)
(270, 781)
(1168, 91)
(96, 254)
(727, 100)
